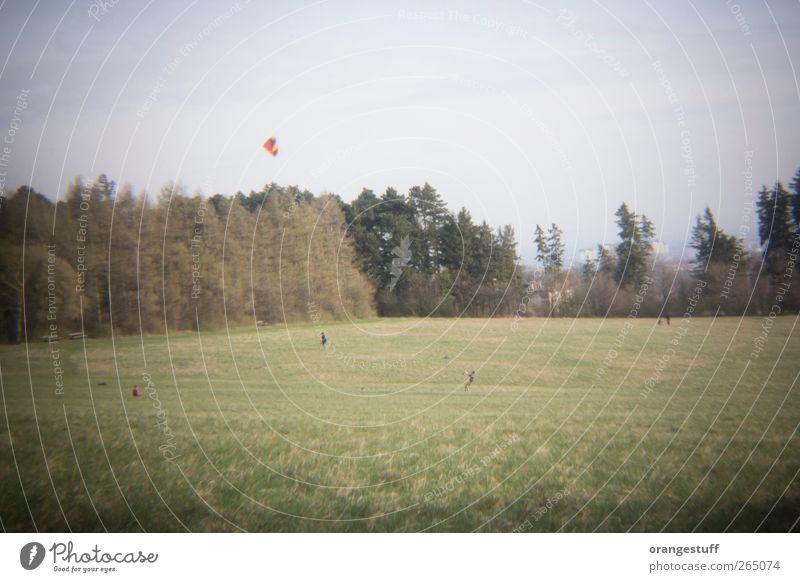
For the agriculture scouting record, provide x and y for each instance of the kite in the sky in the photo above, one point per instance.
(271, 145)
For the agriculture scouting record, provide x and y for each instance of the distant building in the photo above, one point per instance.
(587, 255)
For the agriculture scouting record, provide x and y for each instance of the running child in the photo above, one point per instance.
(470, 380)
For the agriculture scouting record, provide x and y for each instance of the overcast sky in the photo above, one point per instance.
(524, 112)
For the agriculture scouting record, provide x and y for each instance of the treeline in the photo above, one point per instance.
(721, 279)
(425, 260)
(100, 260)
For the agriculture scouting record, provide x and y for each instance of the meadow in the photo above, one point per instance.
(571, 425)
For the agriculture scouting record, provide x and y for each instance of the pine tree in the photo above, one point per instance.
(363, 227)
(636, 245)
(431, 214)
(776, 227)
(555, 248)
(712, 244)
(542, 248)
(795, 186)
(606, 261)
(549, 248)
(588, 269)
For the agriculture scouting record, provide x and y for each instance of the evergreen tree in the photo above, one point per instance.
(636, 245)
(795, 186)
(555, 248)
(775, 227)
(542, 248)
(606, 261)
(549, 248)
(362, 216)
(712, 244)
(431, 214)
(460, 259)
(507, 265)
(588, 269)
(396, 222)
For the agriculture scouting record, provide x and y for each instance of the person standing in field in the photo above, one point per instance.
(324, 340)
(470, 380)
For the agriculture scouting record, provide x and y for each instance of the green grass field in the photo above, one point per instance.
(260, 430)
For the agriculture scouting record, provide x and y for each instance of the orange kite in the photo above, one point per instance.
(271, 145)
